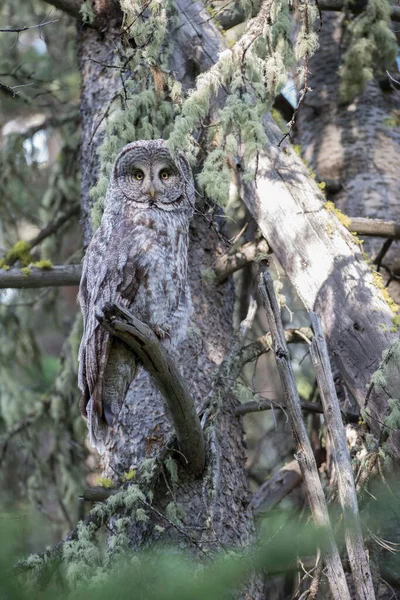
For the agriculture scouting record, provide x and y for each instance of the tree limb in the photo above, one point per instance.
(375, 227)
(264, 343)
(265, 404)
(271, 492)
(166, 377)
(57, 276)
(305, 456)
(230, 263)
(345, 481)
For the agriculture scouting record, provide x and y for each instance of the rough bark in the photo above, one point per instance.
(216, 505)
(351, 144)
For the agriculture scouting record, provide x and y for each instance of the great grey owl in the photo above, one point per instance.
(138, 259)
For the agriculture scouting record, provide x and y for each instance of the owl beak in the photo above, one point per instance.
(152, 192)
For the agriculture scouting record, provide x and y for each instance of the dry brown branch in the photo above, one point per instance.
(38, 278)
(164, 373)
(305, 456)
(345, 481)
(276, 488)
(230, 263)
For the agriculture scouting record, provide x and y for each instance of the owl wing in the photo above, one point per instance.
(110, 274)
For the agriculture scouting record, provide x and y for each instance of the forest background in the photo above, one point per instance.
(296, 115)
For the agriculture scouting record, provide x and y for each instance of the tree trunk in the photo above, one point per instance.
(214, 509)
(351, 146)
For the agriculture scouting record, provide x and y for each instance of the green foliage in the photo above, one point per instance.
(162, 574)
(372, 46)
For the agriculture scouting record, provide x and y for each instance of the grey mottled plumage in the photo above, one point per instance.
(137, 258)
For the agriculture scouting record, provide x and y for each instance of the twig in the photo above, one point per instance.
(230, 263)
(346, 487)
(305, 456)
(281, 483)
(54, 226)
(19, 29)
(162, 369)
(57, 276)
(265, 404)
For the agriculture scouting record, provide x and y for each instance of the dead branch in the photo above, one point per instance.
(230, 263)
(20, 29)
(57, 276)
(163, 371)
(375, 227)
(265, 404)
(281, 483)
(264, 343)
(346, 486)
(305, 456)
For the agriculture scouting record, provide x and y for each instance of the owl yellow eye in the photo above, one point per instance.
(164, 175)
(138, 175)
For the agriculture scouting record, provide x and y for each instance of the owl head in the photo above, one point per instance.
(147, 177)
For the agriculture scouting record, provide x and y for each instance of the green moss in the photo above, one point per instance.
(20, 251)
(380, 284)
(26, 271)
(344, 219)
(44, 264)
(396, 323)
(277, 117)
(129, 475)
(105, 482)
(322, 185)
(297, 149)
